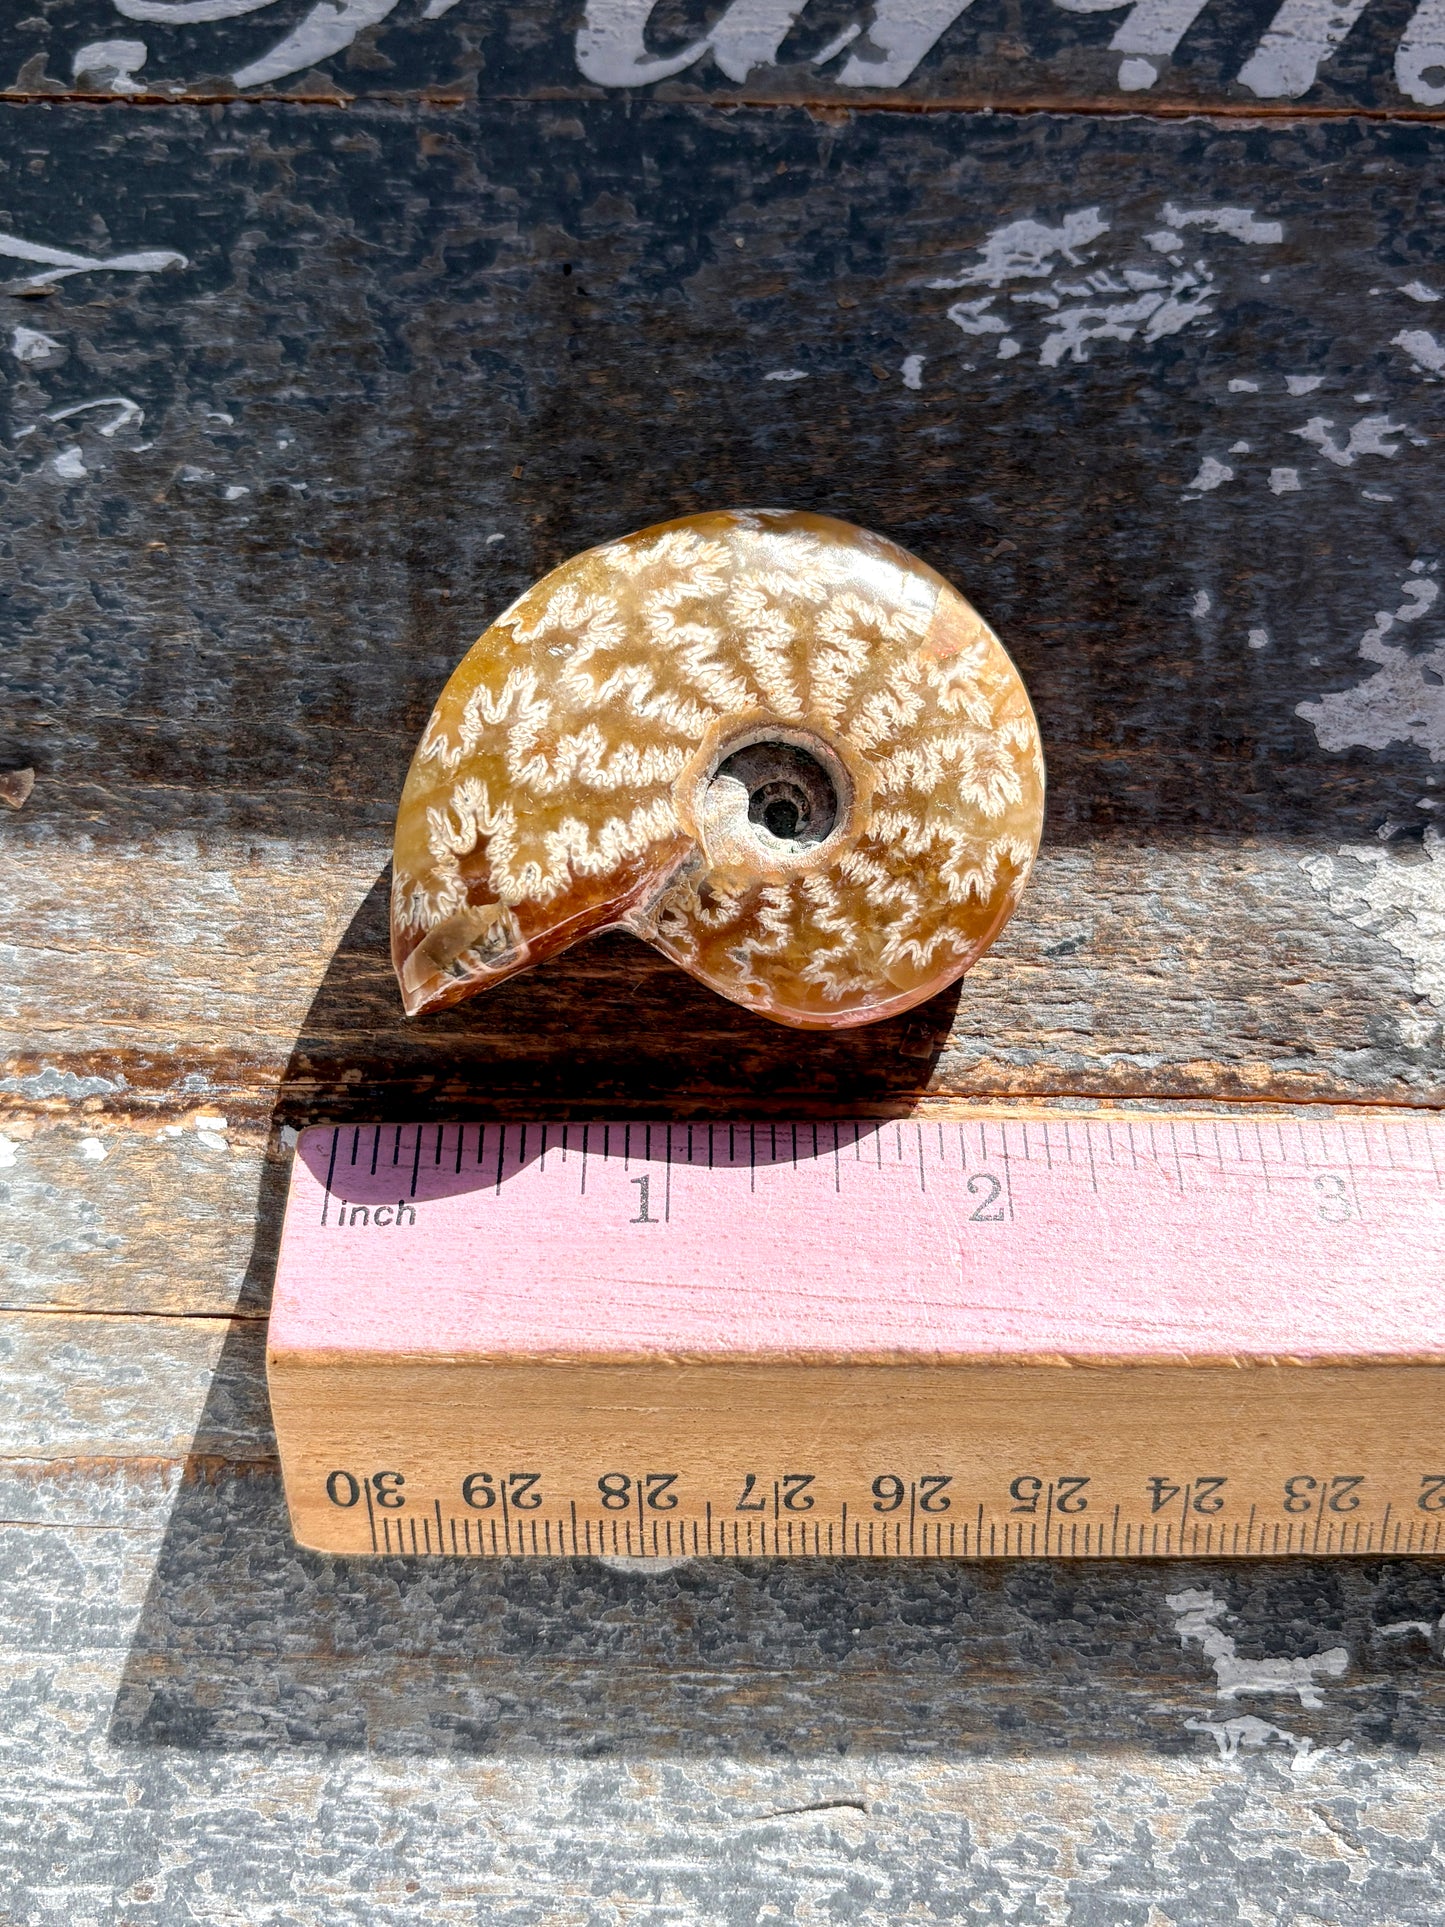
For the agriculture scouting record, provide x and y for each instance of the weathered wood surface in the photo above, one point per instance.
(1104, 56)
(403, 359)
(331, 455)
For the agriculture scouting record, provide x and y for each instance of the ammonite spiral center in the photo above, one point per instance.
(790, 797)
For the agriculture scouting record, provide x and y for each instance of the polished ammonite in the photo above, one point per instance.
(778, 748)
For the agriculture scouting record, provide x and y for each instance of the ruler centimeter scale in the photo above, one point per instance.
(1002, 1335)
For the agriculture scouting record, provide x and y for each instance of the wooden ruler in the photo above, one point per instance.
(1001, 1336)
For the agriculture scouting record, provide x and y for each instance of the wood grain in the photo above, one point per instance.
(216, 784)
(375, 335)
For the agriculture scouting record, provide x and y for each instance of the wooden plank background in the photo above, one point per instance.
(302, 390)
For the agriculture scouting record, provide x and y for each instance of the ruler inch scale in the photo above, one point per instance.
(1006, 1335)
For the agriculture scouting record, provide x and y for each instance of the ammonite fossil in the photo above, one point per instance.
(778, 748)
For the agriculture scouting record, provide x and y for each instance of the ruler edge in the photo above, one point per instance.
(330, 1357)
(290, 1464)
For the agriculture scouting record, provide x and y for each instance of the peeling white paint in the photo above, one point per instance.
(787, 374)
(92, 1150)
(1301, 36)
(1248, 1730)
(1369, 436)
(113, 63)
(1430, 1629)
(328, 29)
(1211, 475)
(1404, 700)
(1417, 291)
(1119, 300)
(1420, 56)
(49, 1082)
(974, 317)
(128, 413)
(1241, 386)
(913, 371)
(1397, 897)
(1284, 481)
(70, 465)
(1135, 75)
(1303, 384)
(60, 263)
(7, 1153)
(211, 1130)
(28, 344)
(1423, 349)
(836, 45)
(1239, 222)
(1201, 605)
(1197, 1613)
(1259, 638)
(1029, 249)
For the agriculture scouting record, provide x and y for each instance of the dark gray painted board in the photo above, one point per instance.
(1173, 421)
(1262, 55)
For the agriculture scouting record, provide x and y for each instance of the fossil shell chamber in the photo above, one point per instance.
(778, 748)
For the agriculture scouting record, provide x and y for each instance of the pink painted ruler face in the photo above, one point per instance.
(1153, 1239)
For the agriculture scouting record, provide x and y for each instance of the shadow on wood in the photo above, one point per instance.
(247, 1642)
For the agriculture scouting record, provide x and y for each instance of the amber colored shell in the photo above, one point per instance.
(865, 851)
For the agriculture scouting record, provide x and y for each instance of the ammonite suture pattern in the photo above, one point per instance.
(780, 749)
